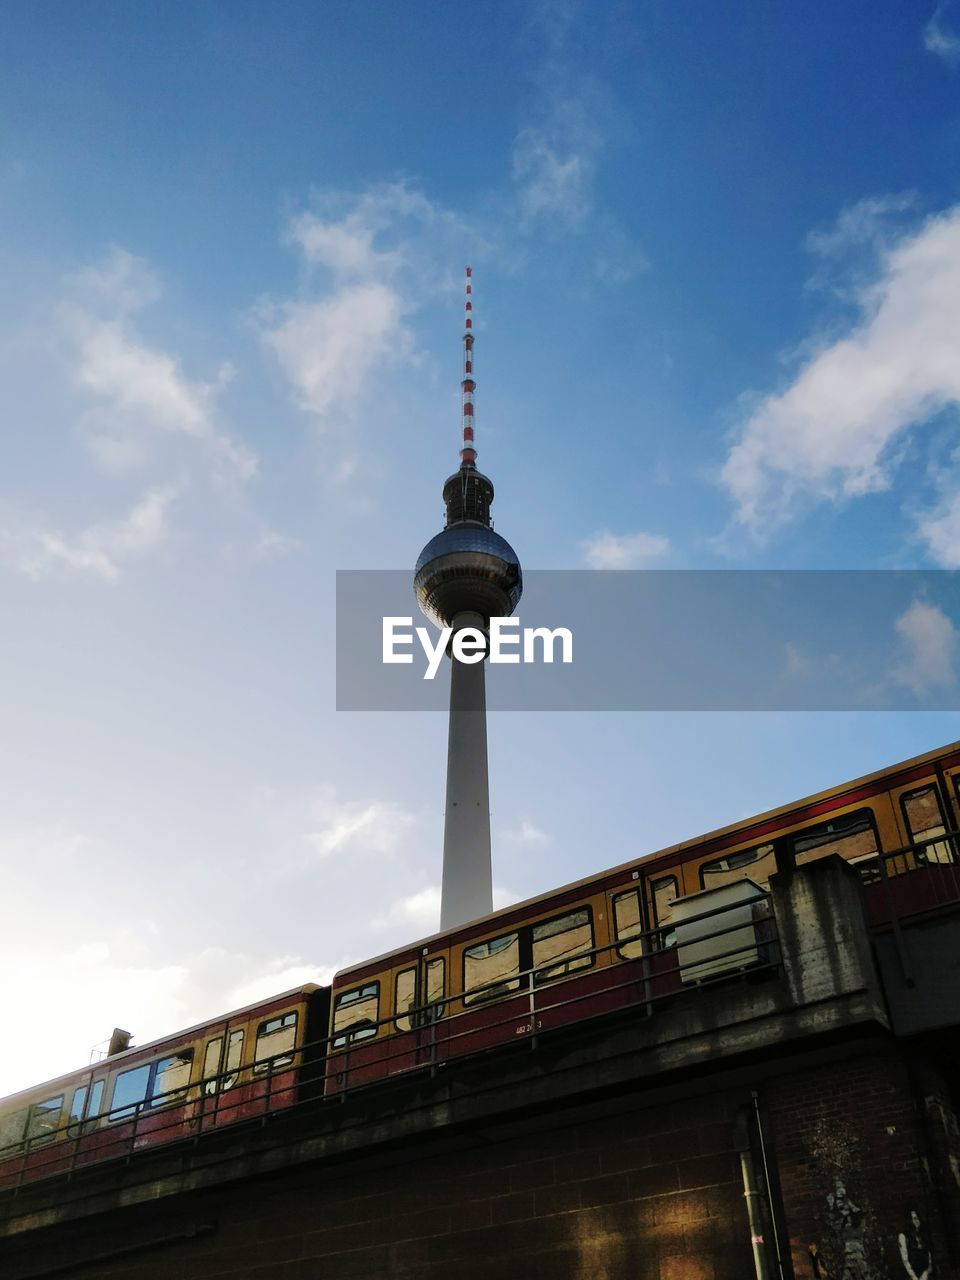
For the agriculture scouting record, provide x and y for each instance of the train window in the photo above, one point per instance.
(12, 1128)
(490, 968)
(79, 1099)
(558, 945)
(234, 1058)
(129, 1092)
(154, 1084)
(44, 1119)
(924, 818)
(211, 1065)
(170, 1078)
(406, 999)
(96, 1099)
(664, 892)
(628, 923)
(356, 1013)
(745, 864)
(852, 835)
(435, 985)
(81, 1110)
(275, 1041)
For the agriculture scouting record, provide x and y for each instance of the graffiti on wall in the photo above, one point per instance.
(846, 1244)
(914, 1250)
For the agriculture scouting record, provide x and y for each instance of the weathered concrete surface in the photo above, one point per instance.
(607, 1150)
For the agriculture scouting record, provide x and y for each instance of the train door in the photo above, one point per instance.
(419, 1003)
(924, 820)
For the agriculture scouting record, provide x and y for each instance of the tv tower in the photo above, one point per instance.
(465, 576)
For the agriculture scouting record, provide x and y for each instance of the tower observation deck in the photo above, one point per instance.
(466, 575)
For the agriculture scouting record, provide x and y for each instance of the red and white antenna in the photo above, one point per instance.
(468, 454)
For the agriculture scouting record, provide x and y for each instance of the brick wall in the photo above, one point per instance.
(631, 1194)
(851, 1152)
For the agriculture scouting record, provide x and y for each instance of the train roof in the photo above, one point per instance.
(743, 825)
(306, 989)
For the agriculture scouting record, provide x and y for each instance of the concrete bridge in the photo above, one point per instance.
(792, 1122)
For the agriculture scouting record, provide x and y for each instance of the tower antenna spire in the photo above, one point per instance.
(468, 453)
(466, 575)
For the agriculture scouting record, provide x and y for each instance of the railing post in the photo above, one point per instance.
(894, 921)
(269, 1093)
(133, 1131)
(532, 1001)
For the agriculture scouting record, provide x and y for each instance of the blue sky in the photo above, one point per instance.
(717, 286)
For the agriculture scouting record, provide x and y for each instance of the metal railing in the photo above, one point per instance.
(320, 1073)
(916, 879)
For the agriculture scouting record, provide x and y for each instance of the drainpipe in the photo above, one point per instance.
(752, 1195)
(766, 1177)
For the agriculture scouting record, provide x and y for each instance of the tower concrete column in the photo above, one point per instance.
(466, 575)
(467, 887)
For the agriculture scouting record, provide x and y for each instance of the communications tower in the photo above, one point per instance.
(465, 576)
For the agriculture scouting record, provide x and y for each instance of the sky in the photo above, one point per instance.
(716, 255)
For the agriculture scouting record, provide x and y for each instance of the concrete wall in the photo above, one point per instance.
(610, 1151)
(608, 1192)
(853, 1164)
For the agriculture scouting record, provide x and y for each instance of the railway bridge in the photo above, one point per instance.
(791, 1119)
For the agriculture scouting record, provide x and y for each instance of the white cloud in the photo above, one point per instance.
(387, 249)
(332, 349)
(929, 640)
(341, 826)
(527, 834)
(346, 247)
(833, 432)
(123, 985)
(417, 912)
(938, 39)
(941, 532)
(139, 389)
(554, 174)
(101, 550)
(624, 551)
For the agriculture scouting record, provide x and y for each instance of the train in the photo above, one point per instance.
(600, 946)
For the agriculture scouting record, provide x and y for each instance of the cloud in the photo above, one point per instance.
(417, 912)
(617, 258)
(929, 640)
(941, 532)
(797, 665)
(849, 252)
(341, 826)
(624, 551)
(527, 834)
(330, 349)
(122, 987)
(141, 391)
(556, 152)
(101, 550)
(554, 167)
(938, 39)
(834, 431)
(384, 251)
(569, 123)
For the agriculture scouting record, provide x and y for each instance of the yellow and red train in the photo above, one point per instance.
(585, 950)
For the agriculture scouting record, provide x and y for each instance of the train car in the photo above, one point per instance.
(607, 942)
(253, 1060)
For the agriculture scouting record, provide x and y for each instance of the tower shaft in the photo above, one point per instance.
(467, 887)
(465, 575)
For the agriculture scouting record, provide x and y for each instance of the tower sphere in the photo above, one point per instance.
(467, 568)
